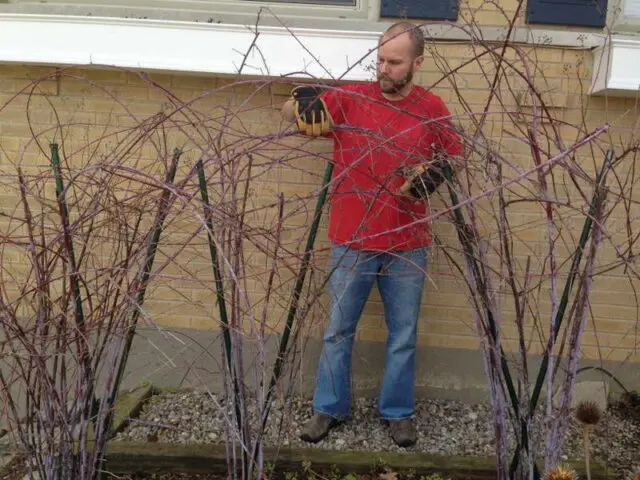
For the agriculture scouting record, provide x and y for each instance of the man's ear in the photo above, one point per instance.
(417, 62)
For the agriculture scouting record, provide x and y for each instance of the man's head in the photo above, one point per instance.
(400, 55)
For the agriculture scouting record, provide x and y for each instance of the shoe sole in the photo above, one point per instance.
(404, 444)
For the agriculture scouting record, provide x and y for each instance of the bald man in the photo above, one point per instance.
(391, 138)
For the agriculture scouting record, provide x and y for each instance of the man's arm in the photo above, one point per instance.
(425, 179)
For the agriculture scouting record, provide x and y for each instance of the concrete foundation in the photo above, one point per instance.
(183, 358)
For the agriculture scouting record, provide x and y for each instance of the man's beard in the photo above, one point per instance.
(395, 86)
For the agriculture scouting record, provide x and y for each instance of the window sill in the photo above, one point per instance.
(174, 46)
(616, 70)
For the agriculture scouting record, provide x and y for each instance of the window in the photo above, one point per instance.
(231, 11)
(422, 9)
(578, 13)
(227, 11)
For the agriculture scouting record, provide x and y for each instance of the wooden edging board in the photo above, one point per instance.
(131, 457)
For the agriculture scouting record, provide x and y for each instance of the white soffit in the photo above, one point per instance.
(174, 46)
(616, 67)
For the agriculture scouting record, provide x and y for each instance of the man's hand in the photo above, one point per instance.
(310, 111)
(423, 180)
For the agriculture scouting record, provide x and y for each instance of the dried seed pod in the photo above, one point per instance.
(561, 472)
(588, 412)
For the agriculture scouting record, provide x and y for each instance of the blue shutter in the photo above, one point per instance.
(578, 13)
(420, 9)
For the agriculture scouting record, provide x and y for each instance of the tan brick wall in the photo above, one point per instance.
(101, 111)
(184, 296)
(489, 13)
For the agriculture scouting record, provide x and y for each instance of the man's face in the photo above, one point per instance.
(396, 63)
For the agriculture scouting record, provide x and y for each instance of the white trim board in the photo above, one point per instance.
(616, 67)
(186, 46)
(219, 49)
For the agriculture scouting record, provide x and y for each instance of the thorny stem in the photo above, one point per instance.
(91, 405)
(222, 305)
(579, 320)
(466, 237)
(586, 451)
(577, 257)
(295, 299)
(542, 180)
(143, 280)
(557, 320)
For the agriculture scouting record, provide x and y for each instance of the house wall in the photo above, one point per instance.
(93, 104)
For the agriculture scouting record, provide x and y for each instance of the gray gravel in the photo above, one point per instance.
(444, 427)
(6, 451)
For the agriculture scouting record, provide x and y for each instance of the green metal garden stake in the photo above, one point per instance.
(577, 257)
(213, 250)
(464, 237)
(573, 272)
(163, 211)
(226, 335)
(295, 298)
(73, 277)
(467, 245)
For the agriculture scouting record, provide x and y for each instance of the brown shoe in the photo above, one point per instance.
(403, 432)
(317, 427)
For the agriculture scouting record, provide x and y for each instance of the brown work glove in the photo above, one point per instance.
(312, 115)
(422, 180)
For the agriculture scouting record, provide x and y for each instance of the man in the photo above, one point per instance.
(379, 129)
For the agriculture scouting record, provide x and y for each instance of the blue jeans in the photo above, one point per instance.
(400, 277)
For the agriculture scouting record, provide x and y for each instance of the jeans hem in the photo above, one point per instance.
(335, 417)
(393, 419)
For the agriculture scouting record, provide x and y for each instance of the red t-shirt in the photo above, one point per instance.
(373, 138)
